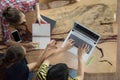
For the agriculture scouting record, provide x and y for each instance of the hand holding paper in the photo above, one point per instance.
(41, 34)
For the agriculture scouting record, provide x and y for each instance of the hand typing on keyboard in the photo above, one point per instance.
(69, 44)
(79, 42)
(83, 50)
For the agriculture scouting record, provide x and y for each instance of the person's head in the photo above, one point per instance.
(13, 55)
(14, 16)
(58, 72)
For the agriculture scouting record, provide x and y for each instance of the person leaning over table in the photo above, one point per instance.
(12, 12)
(13, 65)
(60, 70)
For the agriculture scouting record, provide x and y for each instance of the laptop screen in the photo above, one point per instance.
(86, 31)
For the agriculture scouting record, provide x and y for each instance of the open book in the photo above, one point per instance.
(41, 35)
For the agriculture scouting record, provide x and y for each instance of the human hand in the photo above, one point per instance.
(83, 50)
(51, 47)
(36, 46)
(53, 52)
(69, 44)
(31, 46)
(41, 20)
(52, 44)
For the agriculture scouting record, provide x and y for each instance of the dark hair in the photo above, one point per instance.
(58, 72)
(2, 66)
(12, 15)
(14, 54)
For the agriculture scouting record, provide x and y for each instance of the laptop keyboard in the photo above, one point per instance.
(79, 42)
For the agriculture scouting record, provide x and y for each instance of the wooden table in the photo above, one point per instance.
(109, 48)
(85, 14)
(64, 24)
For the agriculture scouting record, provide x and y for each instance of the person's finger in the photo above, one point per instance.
(87, 48)
(83, 45)
(68, 40)
(29, 44)
(79, 48)
(73, 43)
(36, 43)
(53, 41)
(43, 22)
(39, 21)
(79, 51)
(71, 40)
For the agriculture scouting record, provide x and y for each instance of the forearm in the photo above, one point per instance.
(42, 57)
(47, 55)
(60, 50)
(10, 43)
(80, 73)
(52, 55)
(37, 9)
(36, 64)
(32, 66)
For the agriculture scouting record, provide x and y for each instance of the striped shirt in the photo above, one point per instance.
(42, 72)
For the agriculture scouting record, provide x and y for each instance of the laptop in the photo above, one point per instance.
(49, 20)
(81, 34)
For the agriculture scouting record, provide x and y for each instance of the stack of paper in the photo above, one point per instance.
(41, 34)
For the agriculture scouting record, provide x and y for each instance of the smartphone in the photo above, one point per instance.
(16, 36)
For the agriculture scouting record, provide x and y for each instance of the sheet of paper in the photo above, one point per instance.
(43, 41)
(41, 29)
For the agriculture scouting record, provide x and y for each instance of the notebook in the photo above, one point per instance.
(81, 34)
(41, 34)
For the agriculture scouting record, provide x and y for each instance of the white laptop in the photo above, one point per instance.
(81, 34)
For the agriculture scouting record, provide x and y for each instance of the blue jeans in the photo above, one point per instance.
(30, 75)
